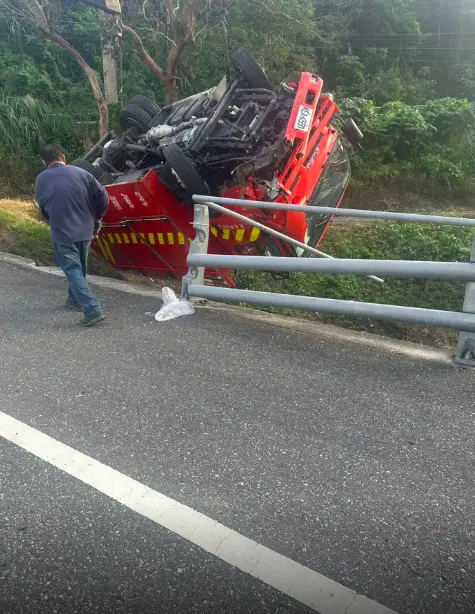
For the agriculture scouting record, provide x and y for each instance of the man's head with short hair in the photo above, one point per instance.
(52, 154)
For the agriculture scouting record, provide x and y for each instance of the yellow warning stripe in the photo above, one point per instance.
(241, 235)
(108, 250)
(255, 234)
(104, 253)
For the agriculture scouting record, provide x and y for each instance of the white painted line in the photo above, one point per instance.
(287, 576)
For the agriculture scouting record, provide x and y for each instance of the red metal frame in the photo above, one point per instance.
(147, 228)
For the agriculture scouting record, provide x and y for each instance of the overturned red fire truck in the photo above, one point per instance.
(241, 139)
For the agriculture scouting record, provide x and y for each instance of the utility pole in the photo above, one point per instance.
(436, 55)
(109, 66)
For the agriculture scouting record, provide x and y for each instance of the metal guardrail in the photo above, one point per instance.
(359, 213)
(199, 259)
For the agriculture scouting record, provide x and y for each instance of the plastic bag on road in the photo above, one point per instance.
(173, 307)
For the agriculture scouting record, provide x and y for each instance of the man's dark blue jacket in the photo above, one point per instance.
(72, 200)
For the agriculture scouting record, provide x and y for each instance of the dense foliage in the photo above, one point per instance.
(404, 68)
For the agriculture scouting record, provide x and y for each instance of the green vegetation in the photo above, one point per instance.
(24, 124)
(434, 141)
(404, 68)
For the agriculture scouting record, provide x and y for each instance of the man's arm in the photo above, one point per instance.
(99, 197)
(40, 200)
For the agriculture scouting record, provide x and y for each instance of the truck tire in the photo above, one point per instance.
(185, 170)
(135, 117)
(87, 166)
(146, 104)
(250, 69)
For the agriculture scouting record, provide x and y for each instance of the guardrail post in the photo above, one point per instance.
(199, 245)
(466, 346)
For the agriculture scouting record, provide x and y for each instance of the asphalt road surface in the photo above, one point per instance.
(355, 463)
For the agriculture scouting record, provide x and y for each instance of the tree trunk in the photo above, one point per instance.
(111, 88)
(171, 88)
(173, 61)
(92, 77)
(109, 67)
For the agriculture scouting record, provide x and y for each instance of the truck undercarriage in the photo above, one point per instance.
(241, 139)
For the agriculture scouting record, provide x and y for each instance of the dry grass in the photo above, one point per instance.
(23, 208)
(24, 233)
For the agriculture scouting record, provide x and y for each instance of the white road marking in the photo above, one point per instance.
(285, 575)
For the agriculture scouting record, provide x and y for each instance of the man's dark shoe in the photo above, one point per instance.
(92, 319)
(73, 306)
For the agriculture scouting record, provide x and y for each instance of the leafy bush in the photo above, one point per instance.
(359, 109)
(443, 170)
(462, 80)
(435, 141)
(399, 131)
(452, 118)
(351, 74)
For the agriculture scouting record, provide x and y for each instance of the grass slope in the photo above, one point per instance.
(23, 233)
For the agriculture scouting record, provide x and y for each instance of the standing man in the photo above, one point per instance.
(73, 202)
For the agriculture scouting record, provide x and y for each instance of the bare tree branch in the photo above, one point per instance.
(144, 4)
(141, 51)
(92, 77)
(156, 33)
(180, 31)
(289, 18)
(171, 13)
